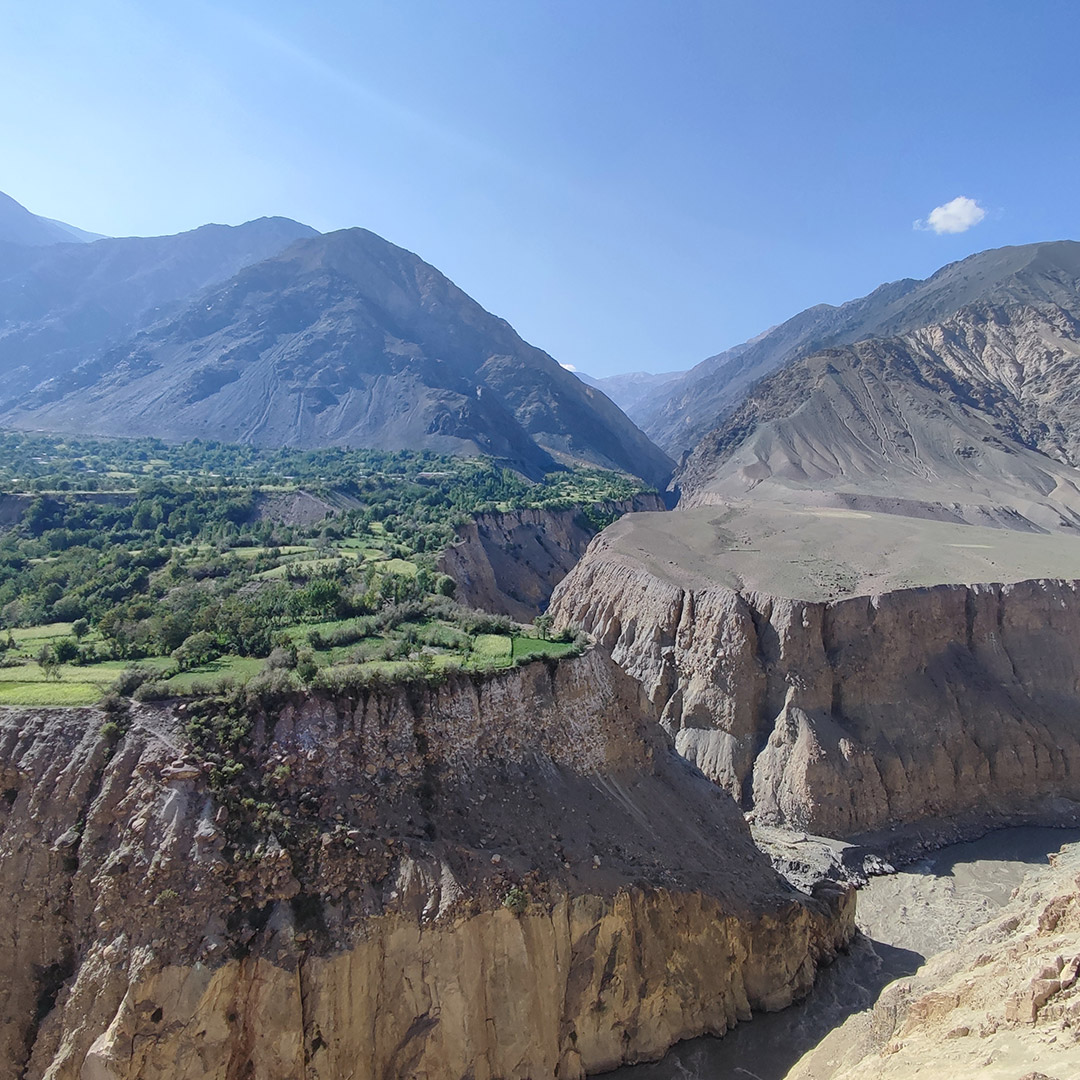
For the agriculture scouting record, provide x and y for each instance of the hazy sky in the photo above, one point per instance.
(633, 185)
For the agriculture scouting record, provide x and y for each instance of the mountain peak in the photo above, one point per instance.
(336, 339)
(1047, 272)
(19, 226)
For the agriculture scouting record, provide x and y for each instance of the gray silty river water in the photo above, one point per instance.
(904, 918)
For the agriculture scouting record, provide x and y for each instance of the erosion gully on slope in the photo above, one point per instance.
(904, 918)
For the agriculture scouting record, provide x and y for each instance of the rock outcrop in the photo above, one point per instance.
(1003, 1005)
(852, 715)
(470, 879)
(511, 562)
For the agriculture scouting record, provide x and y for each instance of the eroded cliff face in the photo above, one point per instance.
(325, 898)
(846, 717)
(510, 563)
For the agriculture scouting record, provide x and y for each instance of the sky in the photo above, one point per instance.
(633, 185)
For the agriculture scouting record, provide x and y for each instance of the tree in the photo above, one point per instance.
(49, 664)
(66, 650)
(198, 649)
(543, 625)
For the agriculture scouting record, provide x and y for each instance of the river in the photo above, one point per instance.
(904, 918)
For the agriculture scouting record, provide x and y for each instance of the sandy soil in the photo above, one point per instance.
(822, 554)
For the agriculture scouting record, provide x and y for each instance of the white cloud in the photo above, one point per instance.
(568, 367)
(956, 216)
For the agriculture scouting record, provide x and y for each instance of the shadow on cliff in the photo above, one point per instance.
(768, 1046)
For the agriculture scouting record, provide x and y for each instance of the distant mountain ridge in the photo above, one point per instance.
(973, 417)
(682, 413)
(336, 339)
(62, 305)
(19, 226)
(630, 391)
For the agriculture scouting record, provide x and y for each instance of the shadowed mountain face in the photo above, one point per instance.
(344, 339)
(19, 226)
(679, 415)
(63, 305)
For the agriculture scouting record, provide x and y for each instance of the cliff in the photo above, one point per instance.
(510, 563)
(844, 713)
(471, 879)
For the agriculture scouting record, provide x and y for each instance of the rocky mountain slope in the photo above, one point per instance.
(463, 880)
(979, 410)
(344, 339)
(65, 305)
(19, 226)
(1045, 276)
(828, 669)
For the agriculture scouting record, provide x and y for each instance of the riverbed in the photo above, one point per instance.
(904, 918)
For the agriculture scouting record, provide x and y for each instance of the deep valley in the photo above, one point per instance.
(378, 700)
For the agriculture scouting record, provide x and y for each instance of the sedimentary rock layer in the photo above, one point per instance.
(858, 714)
(329, 897)
(510, 563)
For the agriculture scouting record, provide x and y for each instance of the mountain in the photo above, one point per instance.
(19, 226)
(65, 304)
(681, 414)
(973, 418)
(343, 339)
(632, 391)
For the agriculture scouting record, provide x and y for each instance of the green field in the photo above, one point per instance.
(240, 668)
(192, 562)
(26, 683)
(531, 646)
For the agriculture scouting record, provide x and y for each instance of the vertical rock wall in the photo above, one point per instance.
(862, 713)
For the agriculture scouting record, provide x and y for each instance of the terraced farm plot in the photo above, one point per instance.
(27, 684)
(240, 668)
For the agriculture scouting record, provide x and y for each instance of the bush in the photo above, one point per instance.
(111, 731)
(516, 900)
(268, 687)
(306, 667)
(152, 690)
(444, 637)
(483, 622)
(130, 679)
(282, 658)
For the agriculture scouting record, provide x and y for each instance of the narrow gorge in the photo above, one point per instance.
(472, 879)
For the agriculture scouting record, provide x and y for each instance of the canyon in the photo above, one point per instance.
(436, 894)
(510, 562)
(852, 642)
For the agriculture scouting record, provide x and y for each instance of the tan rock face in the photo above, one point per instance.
(859, 714)
(510, 563)
(350, 921)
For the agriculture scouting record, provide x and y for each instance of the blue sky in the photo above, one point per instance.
(632, 185)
